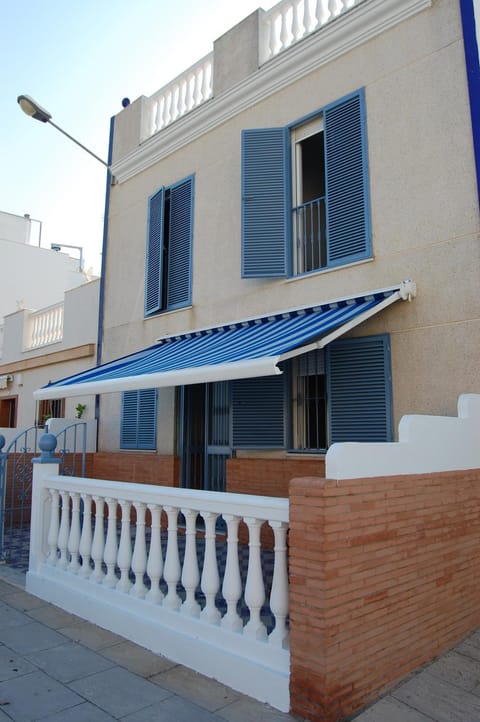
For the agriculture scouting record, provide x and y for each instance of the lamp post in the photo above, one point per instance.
(34, 110)
(59, 246)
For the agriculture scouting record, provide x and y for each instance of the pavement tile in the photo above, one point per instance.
(457, 669)
(390, 709)
(54, 617)
(13, 665)
(246, 709)
(90, 635)
(84, 712)
(427, 693)
(137, 659)
(10, 617)
(118, 691)
(470, 646)
(200, 690)
(5, 587)
(173, 709)
(69, 661)
(36, 695)
(23, 600)
(31, 637)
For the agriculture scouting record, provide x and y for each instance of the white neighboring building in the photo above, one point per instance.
(31, 276)
(48, 328)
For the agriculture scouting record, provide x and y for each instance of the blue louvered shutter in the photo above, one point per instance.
(265, 216)
(138, 427)
(180, 245)
(348, 212)
(258, 412)
(153, 269)
(360, 389)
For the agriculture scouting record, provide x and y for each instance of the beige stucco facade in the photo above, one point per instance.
(423, 199)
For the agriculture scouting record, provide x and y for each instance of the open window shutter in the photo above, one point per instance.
(180, 245)
(265, 207)
(348, 220)
(138, 428)
(153, 270)
(258, 412)
(359, 389)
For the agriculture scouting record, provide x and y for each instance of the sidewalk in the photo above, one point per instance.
(56, 667)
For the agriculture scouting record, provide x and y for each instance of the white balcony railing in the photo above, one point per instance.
(187, 91)
(285, 24)
(115, 553)
(44, 327)
(290, 21)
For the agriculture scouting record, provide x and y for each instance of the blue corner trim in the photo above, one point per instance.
(473, 76)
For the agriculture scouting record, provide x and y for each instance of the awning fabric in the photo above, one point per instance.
(243, 349)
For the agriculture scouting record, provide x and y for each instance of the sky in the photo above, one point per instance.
(79, 60)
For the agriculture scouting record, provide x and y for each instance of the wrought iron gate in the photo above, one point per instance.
(16, 484)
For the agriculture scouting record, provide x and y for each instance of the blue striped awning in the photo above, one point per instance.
(244, 349)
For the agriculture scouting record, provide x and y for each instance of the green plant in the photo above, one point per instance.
(80, 408)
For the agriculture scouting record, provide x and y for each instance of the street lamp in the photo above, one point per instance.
(35, 111)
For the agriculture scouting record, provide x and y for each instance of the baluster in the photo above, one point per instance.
(335, 8)
(272, 35)
(210, 582)
(172, 570)
(279, 592)
(206, 84)
(64, 530)
(125, 549)
(283, 31)
(168, 107)
(98, 540)
(307, 18)
(190, 572)
(74, 538)
(139, 558)
(295, 23)
(197, 97)
(52, 538)
(86, 537)
(190, 95)
(182, 97)
(155, 558)
(110, 551)
(232, 582)
(321, 15)
(254, 588)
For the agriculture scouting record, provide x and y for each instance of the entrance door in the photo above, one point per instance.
(8, 413)
(205, 435)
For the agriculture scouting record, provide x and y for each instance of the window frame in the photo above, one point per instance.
(169, 248)
(267, 222)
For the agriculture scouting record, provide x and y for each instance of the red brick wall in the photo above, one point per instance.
(384, 575)
(269, 477)
(139, 468)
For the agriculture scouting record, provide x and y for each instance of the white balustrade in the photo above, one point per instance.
(196, 580)
(186, 92)
(44, 327)
(173, 580)
(290, 21)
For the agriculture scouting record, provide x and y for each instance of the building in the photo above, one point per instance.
(48, 321)
(311, 180)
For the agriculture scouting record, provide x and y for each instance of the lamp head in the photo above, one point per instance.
(33, 109)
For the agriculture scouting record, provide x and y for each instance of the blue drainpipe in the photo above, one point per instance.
(101, 300)
(470, 44)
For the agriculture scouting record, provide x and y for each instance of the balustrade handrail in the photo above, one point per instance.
(263, 507)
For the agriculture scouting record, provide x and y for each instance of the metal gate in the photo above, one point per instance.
(16, 484)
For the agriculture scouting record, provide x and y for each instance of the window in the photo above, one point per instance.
(340, 393)
(168, 274)
(50, 409)
(305, 200)
(138, 426)
(8, 412)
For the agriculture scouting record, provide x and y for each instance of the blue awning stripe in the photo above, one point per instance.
(242, 341)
